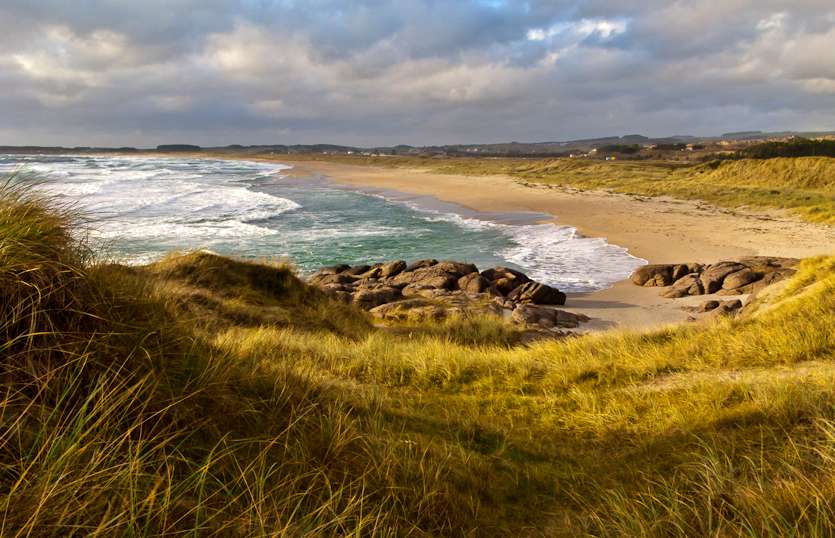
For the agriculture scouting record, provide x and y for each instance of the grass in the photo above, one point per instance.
(803, 185)
(207, 396)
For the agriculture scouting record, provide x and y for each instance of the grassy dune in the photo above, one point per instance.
(804, 185)
(206, 396)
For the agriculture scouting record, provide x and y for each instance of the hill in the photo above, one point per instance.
(209, 396)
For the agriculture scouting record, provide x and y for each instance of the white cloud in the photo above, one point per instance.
(414, 71)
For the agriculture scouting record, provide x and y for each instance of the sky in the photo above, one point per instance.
(373, 72)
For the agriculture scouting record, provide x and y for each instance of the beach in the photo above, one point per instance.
(658, 230)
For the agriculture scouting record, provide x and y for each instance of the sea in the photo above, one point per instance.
(137, 209)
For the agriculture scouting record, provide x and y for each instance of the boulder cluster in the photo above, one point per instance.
(432, 289)
(743, 276)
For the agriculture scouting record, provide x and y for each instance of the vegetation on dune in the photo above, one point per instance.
(207, 396)
(797, 147)
(804, 185)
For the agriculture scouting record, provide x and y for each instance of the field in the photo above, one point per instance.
(202, 395)
(804, 185)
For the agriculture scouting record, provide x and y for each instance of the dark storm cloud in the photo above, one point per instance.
(414, 71)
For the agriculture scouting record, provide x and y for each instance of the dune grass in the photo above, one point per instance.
(803, 185)
(207, 396)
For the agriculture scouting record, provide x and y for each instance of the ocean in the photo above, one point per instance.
(137, 209)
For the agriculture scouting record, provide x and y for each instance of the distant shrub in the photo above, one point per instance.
(627, 149)
(797, 147)
(668, 147)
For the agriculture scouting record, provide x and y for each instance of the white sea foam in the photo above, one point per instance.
(147, 206)
(556, 255)
(157, 200)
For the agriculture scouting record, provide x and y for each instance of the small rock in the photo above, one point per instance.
(727, 308)
(497, 273)
(332, 270)
(392, 268)
(409, 309)
(713, 277)
(473, 283)
(684, 286)
(324, 279)
(707, 306)
(547, 317)
(683, 269)
(653, 275)
(739, 279)
(456, 268)
(420, 264)
(357, 270)
(369, 298)
(536, 293)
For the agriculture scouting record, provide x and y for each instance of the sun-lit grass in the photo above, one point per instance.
(207, 396)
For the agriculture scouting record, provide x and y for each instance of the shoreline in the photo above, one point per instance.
(657, 230)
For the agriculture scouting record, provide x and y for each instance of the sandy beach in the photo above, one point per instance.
(656, 229)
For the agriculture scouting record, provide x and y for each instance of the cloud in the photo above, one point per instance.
(413, 71)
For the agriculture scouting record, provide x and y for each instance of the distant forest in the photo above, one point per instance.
(798, 147)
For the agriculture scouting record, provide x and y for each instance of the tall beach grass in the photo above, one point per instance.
(202, 395)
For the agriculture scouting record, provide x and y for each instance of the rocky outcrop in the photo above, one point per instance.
(473, 283)
(731, 277)
(547, 317)
(536, 293)
(684, 286)
(713, 277)
(432, 289)
(717, 308)
(663, 274)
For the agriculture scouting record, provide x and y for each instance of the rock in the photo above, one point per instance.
(456, 268)
(683, 269)
(371, 283)
(420, 264)
(497, 273)
(392, 268)
(768, 264)
(503, 280)
(324, 279)
(473, 283)
(409, 309)
(369, 298)
(536, 293)
(502, 303)
(332, 270)
(343, 296)
(739, 279)
(727, 308)
(373, 272)
(429, 293)
(504, 286)
(435, 276)
(684, 286)
(653, 275)
(340, 292)
(357, 270)
(547, 317)
(758, 285)
(713, 276)
(707, 306)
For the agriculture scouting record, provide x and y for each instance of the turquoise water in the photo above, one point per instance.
(142, 207)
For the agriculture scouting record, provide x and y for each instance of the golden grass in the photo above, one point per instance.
(207, 396)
